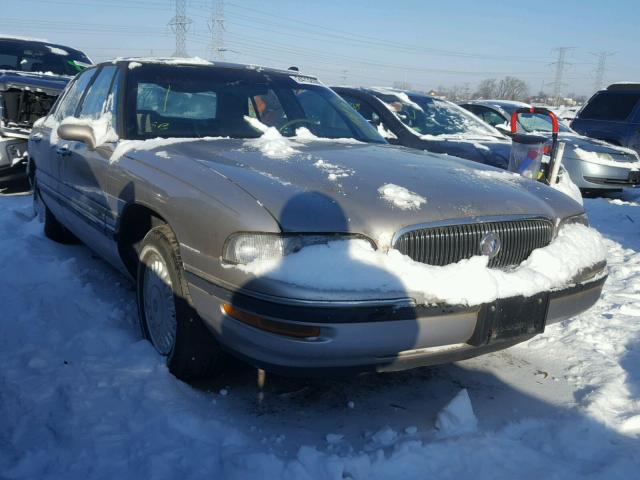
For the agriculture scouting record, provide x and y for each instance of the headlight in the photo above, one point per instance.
(245, 248)
(580, 219)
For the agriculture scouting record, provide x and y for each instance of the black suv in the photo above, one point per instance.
(612, 115)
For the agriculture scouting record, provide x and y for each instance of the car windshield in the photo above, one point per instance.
(432, 116)
(199, 101)
(39, 57)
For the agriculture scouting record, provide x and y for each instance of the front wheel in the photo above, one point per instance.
(166, 316)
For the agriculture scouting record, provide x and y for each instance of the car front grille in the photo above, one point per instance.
(447, 244)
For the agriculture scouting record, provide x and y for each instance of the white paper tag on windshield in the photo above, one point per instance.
(305, 79)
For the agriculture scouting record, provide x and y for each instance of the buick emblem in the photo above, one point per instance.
(490, 244)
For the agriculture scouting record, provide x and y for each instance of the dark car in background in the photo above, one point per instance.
(32, 74)
(593, 165)
(416, 120)
(612, 115)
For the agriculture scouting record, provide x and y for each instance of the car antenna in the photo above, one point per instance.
(294, 69)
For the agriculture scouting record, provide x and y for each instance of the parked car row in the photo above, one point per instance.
(260, 214)
(594, 165)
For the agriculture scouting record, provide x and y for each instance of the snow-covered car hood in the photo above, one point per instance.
(374, 190)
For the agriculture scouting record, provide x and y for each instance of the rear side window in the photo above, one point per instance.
(69, 104)
(610, 106)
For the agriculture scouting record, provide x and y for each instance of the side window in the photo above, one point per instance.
(95, 101)
(69, 104)
(491, 117)
(320, 112)
(363, 109)
(269, 110)
(610, 106)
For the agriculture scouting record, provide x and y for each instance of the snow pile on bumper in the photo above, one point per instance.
(353, 265)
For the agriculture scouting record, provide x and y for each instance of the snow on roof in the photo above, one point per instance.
(23, 39)
(400, 95)
(165, 60)
(57, 50)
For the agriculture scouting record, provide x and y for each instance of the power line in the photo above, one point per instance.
(601, 66)
(180, 25)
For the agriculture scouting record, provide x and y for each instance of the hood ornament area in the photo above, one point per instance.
(490, 245)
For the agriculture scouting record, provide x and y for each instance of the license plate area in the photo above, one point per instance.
(510, 318)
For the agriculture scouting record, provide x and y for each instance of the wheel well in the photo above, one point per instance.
(135, 222)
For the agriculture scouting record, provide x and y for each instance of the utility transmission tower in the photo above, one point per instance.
(180, 24)
(600, 69)
(216, 27)
(561, 63)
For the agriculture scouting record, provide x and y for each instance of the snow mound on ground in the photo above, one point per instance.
(385, 437)
(90, 399)
(401, 197)
(353, 265)
(457, 416)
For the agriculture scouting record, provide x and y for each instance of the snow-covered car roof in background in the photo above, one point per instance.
(55, 48)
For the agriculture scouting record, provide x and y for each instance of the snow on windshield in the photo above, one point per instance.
(57, 51)
(432, 117)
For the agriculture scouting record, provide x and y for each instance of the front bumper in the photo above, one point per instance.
(371, 337)
(592, 176)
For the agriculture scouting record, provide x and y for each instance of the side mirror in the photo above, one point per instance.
(79, 133)
(504, 129)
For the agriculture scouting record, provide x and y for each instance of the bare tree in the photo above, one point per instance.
(508, 88)
(487, 88)
(512, 88)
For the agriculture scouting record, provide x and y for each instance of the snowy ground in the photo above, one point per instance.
(81, 396)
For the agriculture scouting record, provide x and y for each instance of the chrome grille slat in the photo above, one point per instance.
(443, 245)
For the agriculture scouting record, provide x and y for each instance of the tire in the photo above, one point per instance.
(167, 318)
(53, 229)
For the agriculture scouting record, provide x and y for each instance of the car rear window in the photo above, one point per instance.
(610, 106)
(41, 57)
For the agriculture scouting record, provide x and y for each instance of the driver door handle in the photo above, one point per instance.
(63, 151)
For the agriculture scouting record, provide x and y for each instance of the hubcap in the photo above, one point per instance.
(159, 305)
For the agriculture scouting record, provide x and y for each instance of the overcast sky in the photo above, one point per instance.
(361, 42)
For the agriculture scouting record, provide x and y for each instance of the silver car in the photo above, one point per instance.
(184, 175)
(593, 165)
